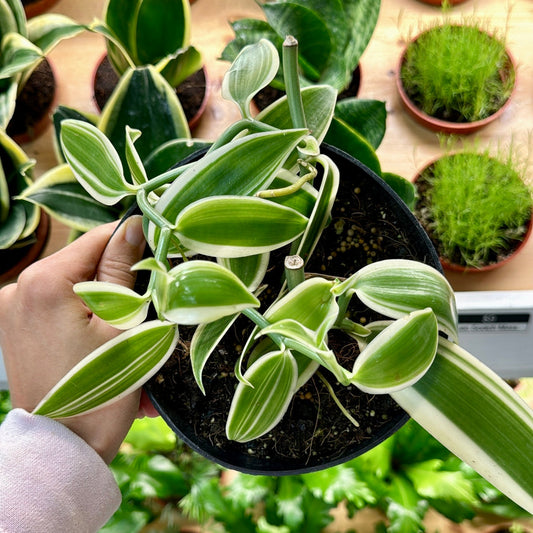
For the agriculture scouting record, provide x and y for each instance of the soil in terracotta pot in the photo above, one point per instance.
(33, 103)
(362, 231)
(423, 213)
(190, 92)
(269, 94)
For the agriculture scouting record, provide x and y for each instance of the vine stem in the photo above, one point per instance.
(292, 82)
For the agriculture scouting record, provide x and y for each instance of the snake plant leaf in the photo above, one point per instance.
(343, 136)
(163, 119)
(60, 195)
(395, 287)
(204, 341)
(119, 306)
(308, 28)
(478, 417)
(138, 173)
(399, 355)
(236, 226)
(12, 18)
(94, 161)
(13, 226)
(177, 67)
(253, 69)
(46, 31)
(250, 269)
(367, 117)
(196, 292)
(404, 188)
(319, 106)
(322, 210)
(258, 407)
(112, 371)
(8, 101)
(18, 54)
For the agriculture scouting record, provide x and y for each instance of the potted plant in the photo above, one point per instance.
(476, 207)
(24, 45)
(23, 227)
(144, 33)
(246, 197)
(443, 84)
(143, 99)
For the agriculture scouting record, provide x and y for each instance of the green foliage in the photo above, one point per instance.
(5, 404)
(443, 75)
(150, 32)
(477, 205)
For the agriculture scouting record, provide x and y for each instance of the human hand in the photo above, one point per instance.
(46, 329)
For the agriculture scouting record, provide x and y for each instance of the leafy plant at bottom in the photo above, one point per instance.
(254, 192)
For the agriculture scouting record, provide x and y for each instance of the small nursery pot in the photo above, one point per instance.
(32, 8)
(34, 105)
(14, 260)
(192, 92)
(369, 223)
(451, 266)
(439, 125)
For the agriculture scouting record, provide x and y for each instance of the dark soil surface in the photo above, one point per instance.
(365, 228)
(191, 92)
(34, 103)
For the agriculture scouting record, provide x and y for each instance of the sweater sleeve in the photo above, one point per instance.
(51, 480)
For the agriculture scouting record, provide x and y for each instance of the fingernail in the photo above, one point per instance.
(134, 231)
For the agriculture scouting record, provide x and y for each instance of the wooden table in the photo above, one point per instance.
(406, 146)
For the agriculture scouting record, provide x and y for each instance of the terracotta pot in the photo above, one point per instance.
(455, 267)
(37, 7)
(445, 126)
(14, 261)
(34, 106)
(176, 396)
(105, 80)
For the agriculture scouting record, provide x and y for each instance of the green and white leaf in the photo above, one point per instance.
(132, 157)
(59, 194)
(399, 356)
(112, 371)
(205, 339)
(236, 226)
(46, 31)
(249, 269)
(478, 417)
(395, 287)
(94, 161)
(197, 292)
(258, 407)
(119, 306)
(18, 54)
(252, 70)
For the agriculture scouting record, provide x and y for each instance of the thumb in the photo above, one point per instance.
(125, 248)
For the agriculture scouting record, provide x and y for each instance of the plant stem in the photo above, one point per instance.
(292, 82)
(337, 401)
(294, 270)
(149, 211)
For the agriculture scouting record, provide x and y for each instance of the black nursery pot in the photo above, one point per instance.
(369, 223)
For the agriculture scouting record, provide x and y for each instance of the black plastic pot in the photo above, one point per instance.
(359, 187)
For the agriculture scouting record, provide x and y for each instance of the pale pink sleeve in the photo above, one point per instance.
(50, 479)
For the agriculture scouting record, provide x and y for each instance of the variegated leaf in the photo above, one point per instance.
(399, 356)
(258, 407)
(395, 287)
(478, 417)
(112, 371)
(236, 226)
(119, 306)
